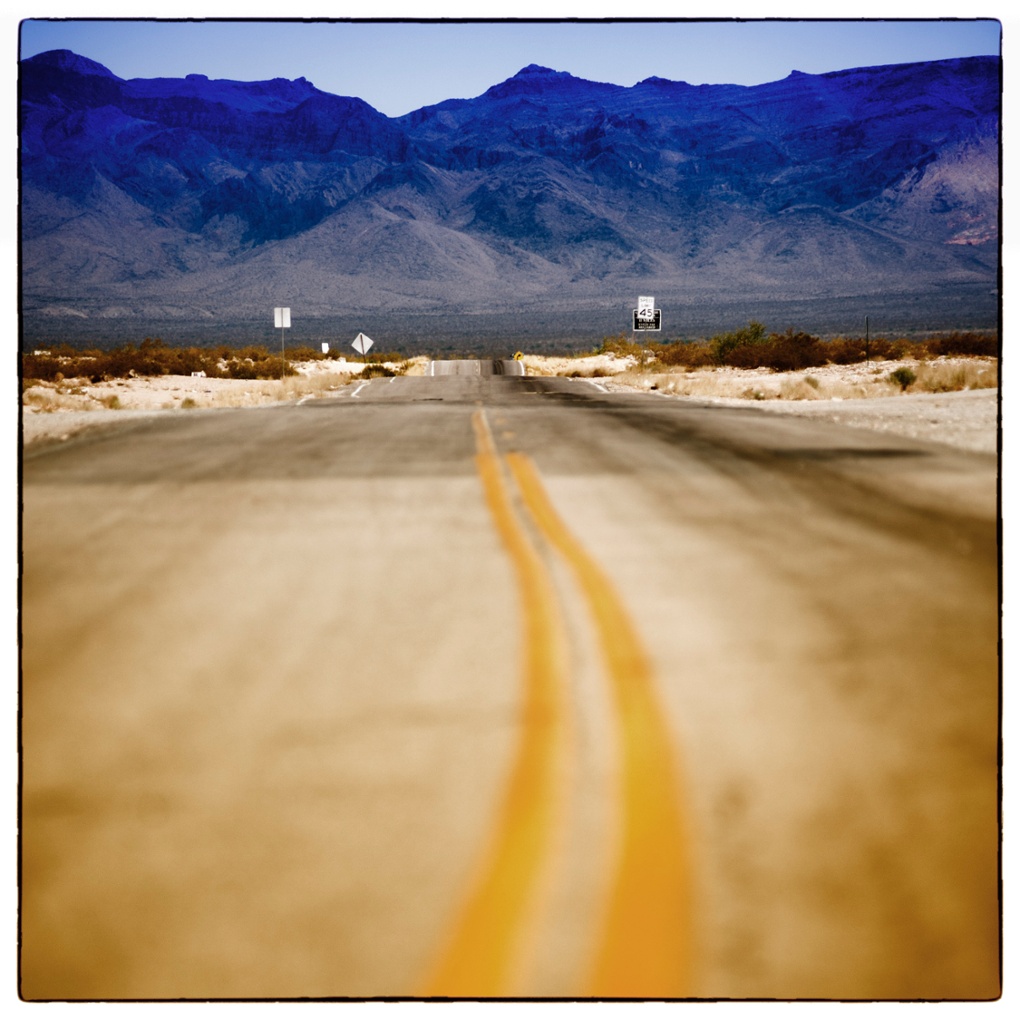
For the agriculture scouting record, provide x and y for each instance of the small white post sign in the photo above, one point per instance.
(325, 348)
(281, 316)
(362, 343)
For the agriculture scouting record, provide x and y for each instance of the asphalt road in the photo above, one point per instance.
(489, 686)
(474, 367)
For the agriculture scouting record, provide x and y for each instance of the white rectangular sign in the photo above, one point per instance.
(325, 348)
(362, 343)
(282, 318)
(646, 315)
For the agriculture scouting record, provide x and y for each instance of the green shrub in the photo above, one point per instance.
(753, 347)
(789, 352)
(903, 377)
(724, 345)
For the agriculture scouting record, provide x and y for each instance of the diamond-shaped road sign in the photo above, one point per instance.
(362, 343)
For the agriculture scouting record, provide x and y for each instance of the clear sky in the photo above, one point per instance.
(400, 66)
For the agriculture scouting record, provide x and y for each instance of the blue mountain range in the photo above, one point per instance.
(196, 197)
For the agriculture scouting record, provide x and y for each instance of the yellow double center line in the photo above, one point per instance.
(644, 949)
(487, 947)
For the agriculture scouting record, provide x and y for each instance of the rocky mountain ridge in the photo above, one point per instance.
(202, 198)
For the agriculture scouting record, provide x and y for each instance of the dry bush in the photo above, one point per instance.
(377, 371)
(754, 347)
(828, 382)
(710, 383)
(851, 351)
(983, 345)
(317, 385)
(587, 373)
(620, 346)
(43, 398)
(801, 388)
(153, 357)
(688, 354)
(271, 391)
(67, 395)
(171, 392)
(267, 366)
(941, 377)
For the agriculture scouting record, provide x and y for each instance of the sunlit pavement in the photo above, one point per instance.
(502, 687)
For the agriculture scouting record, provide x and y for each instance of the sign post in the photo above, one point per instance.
(281, 316)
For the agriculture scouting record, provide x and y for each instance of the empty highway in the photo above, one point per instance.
(481, 685)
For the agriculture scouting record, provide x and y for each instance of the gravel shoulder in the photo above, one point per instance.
(968, 420)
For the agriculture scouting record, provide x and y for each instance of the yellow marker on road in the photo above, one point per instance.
(646, 946)
(489, 943)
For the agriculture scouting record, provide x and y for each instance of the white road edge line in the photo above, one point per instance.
(598, 386)
(360, 388)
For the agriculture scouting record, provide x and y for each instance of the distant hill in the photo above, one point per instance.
(194, 198)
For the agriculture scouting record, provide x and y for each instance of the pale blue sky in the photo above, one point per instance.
(399, 67)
